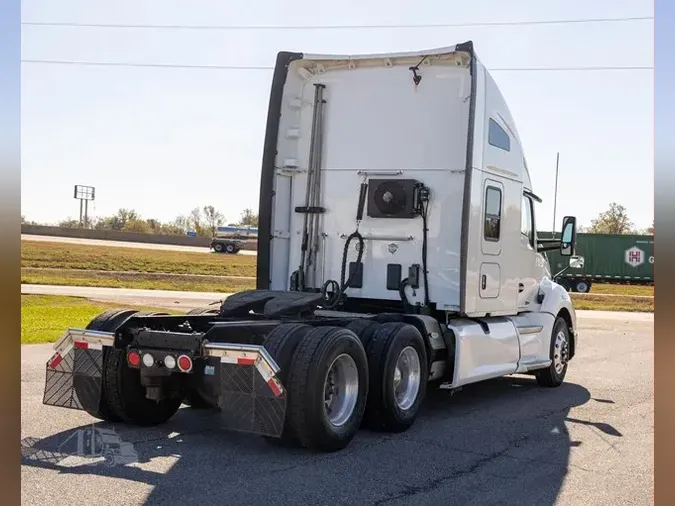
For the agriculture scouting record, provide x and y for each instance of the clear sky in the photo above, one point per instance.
(166, 140)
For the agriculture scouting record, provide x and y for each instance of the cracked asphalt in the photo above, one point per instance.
(502, 442)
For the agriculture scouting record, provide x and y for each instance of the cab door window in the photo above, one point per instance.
(527, 220)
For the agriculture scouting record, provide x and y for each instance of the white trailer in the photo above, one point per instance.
(397, 249)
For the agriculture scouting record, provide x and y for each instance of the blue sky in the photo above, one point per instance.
(163, 141)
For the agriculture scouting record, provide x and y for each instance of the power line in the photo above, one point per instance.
(340, 27)
(267, 67)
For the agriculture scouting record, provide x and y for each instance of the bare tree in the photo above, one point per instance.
(248, 218)
(213, 218)
(196, 222)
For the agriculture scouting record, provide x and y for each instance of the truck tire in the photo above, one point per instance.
(230, 249)
(389, 317)
(582, 286)
(124, 393)
(554, 375)
(398, 366)
(107, 321)
(281, 343)
(323, 417)
(218, 247)
(364, 329)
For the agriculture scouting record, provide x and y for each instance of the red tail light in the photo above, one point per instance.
(185, 363)
(134, 358)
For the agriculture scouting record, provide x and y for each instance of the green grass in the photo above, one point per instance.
(44, 318)
(53, 255)
(619, 303)
(622, 289)
(48, 263)
(147, 281)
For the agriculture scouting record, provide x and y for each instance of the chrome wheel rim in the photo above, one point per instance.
(407, 378)
(560, 352)
(341, 390)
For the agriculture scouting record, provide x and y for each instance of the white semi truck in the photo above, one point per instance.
(397, 250)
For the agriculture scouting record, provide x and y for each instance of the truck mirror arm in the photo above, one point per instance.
(548, 245)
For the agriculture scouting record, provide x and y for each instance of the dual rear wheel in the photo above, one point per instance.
(340, 378)
(337, 379)
(122, 394)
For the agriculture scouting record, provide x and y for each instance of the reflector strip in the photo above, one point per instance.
(83, 345)
(274, 386)
(55, 361)
(242, 354)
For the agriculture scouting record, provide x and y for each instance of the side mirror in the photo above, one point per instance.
(569, 236)
(577, 262)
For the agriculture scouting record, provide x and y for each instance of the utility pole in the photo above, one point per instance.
(84, 194)
(555, 192)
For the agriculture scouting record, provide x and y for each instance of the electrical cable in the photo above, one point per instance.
(339, 27)
(267, 67)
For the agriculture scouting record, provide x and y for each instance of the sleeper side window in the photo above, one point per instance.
(493, 213)
(497, 137)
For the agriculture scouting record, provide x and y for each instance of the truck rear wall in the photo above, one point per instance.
(608, 256)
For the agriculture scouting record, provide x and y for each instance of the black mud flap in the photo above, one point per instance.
(74, 379)
(247, 401)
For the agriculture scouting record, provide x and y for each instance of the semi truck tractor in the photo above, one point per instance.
(608, 258)
(397, 252)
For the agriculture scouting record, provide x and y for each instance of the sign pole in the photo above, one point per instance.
(84, 194)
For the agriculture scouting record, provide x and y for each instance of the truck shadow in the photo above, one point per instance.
(504, 441)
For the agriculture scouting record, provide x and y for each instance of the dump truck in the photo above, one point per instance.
(397, 252)
(608, 258)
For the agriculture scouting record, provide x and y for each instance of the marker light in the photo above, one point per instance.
(148, 360)
(134, 358)
(169, 362)
(184, 363)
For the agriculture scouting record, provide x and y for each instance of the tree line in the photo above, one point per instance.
(202, 221)
(615, 220)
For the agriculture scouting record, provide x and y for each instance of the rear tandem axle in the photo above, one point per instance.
(266, 364)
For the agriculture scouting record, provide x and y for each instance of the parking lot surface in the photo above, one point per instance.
(507, 441)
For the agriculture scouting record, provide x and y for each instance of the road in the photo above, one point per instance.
(153, 298)
(502, 442)
(123, 244)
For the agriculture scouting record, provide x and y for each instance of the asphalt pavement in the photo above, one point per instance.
(504, 442)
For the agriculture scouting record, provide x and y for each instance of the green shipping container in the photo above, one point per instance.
(608, 258)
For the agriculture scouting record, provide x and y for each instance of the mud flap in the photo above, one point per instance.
(250, 397)
(74, 378)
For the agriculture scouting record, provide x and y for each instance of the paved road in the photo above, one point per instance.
(122, 244)
(507, 441)
(152, 298)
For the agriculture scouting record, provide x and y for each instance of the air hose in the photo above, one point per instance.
(332, 300)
